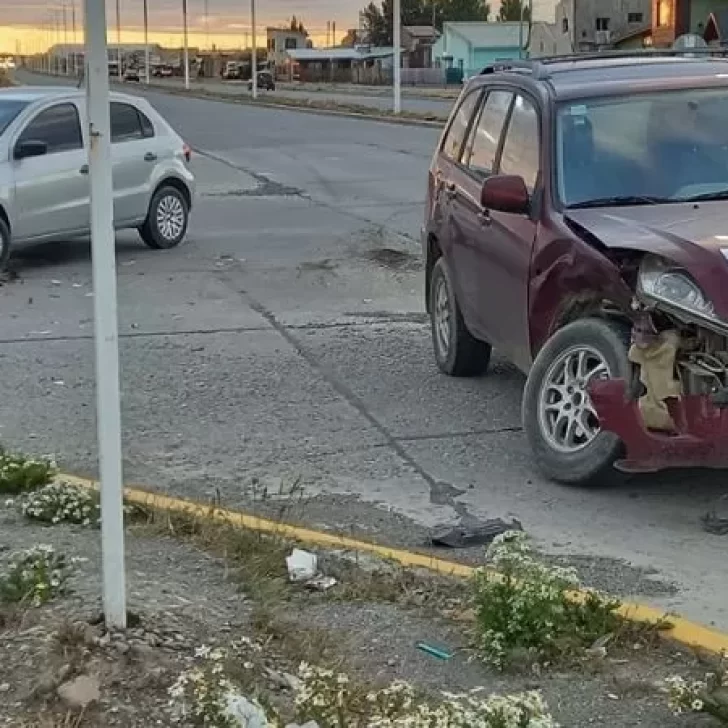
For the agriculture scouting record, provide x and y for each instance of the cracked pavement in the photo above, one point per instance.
(280, 360)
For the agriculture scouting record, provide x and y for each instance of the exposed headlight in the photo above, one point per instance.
(662, 281)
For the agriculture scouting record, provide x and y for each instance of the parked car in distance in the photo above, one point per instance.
(266, 81)
(577, 221)
(131, 74)
(163, 71)
(44, 174)
(232, 71)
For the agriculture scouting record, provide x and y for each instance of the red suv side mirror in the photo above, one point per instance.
(505, 193)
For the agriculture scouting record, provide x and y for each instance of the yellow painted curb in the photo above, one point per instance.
(680, 630)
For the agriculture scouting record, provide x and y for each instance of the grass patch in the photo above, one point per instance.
(20, 474)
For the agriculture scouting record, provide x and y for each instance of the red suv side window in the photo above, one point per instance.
(453, 143)
(482, 149)
(521, 148)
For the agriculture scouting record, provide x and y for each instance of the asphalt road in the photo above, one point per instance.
(280, 359)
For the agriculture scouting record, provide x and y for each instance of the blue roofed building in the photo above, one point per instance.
(470, 47)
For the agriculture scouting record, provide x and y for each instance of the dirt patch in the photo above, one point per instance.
(399, 260)
(190, 585)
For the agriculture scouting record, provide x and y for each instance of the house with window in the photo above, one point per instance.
(673, 18)
(470, 47)
(588, 25)
(282, 40)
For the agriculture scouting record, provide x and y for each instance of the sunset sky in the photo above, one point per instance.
(26, 23)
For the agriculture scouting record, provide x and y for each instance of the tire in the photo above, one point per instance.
(563, 433)
(457, 352)
(4, 245)
(167, 219)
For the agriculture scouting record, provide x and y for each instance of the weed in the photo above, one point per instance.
(709, 695)
(19, 474)
(34, 577)
(531, 608)
(62, 503)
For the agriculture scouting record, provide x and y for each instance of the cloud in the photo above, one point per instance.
(166, 15)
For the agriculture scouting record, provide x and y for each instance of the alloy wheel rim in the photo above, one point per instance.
(442, 317)
(567, 417)
(170, 217)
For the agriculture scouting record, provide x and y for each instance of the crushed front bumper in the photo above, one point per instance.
(700, 438)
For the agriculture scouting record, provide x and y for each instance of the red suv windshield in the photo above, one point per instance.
(670, 146)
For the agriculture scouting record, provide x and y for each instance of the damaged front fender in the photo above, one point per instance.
(699, 437)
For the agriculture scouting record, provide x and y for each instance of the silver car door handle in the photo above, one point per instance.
(484, 217)
(150, 157)
(84, 169)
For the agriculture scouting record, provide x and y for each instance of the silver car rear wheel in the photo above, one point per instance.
(167, 220)
(4, 244)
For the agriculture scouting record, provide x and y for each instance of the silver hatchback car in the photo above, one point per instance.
(44, 181)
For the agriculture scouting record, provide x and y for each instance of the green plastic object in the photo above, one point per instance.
(438, 652)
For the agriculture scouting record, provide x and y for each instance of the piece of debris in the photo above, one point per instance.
(438, 652)
(241, 712)
(321, 583)
(302, 565)
(80, 692)
(461, 536)
(714, 524)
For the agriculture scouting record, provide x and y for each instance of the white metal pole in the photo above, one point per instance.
(187, 48)
(67, 69)
(105, 314)
(74, 37)
(146, 42)
(397, 38)
(253, 51)
(118, 37)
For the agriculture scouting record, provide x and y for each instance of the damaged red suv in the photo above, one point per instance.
(577, 221)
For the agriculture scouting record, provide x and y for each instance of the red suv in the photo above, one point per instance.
(577, 221)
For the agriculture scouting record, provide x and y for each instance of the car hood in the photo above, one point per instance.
(692, 235)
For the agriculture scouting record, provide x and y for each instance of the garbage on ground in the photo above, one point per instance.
(462, 536)
(302, 565)
(439, 652)
(303, 568)
(714, 524)
(321, 583)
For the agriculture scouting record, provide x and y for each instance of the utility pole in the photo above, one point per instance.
(207, 24)
(65, 37)
(186, 53)
(397, 25)
(118, 35)
(106, 334)
(328, 33)
(333, 33)
(253, 52)
(75, 37)
(146, 42)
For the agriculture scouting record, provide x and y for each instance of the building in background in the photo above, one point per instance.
(673, 18)
(282, 40)
(469, 47)
(417, 44)
(588, 25)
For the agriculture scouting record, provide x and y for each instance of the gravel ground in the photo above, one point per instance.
(182, 597)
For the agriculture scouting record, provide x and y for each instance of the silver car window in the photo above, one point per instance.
(125, 123)
(58, 126)
(8, 111)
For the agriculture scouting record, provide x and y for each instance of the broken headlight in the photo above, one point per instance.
(664, 282)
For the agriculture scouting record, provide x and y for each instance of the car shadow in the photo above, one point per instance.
(63, 254)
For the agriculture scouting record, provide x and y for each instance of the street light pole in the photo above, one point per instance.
(105, 315)
(118, 35)
(186, 44)
(74, 37)
(253, 52)
(65, 37)
(397, 27)
(146, 42)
